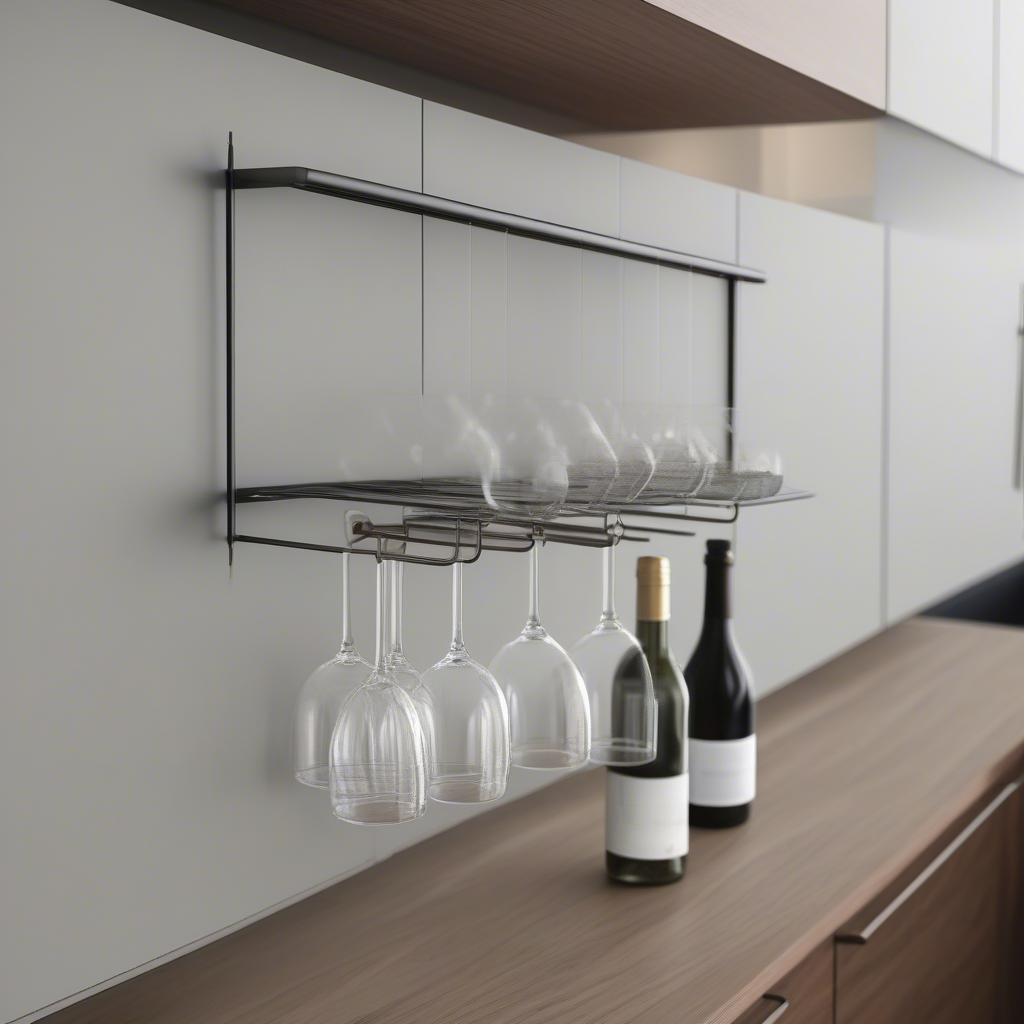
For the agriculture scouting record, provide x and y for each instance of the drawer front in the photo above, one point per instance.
(939, 950)
(804, 996)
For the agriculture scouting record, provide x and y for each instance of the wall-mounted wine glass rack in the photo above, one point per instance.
(454, 515)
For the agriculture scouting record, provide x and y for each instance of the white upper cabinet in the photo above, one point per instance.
(1010, 99)
(955, 515)
(941, 55)
(834, 41)
(809, 382)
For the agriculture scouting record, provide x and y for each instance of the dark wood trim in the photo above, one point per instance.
(609, 64)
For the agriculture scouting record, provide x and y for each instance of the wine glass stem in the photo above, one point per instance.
(533, 619)
(347, 643)
(608, 601)
(397, 572)
(382, 615)
(458, 644)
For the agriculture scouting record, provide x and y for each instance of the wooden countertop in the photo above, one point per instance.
(508, 919)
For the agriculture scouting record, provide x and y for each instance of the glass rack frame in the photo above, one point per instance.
(438, 513)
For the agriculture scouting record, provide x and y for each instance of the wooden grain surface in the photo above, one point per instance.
(807, 990)
(616, 64)
(508, 918)
(940, 957)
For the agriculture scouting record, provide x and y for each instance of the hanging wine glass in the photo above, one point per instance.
(547, 699)
(321, 697)
(623, 708)
(378, 772)
(470, 757)
(401, 668)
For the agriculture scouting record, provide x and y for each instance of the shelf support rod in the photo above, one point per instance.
(229, 329)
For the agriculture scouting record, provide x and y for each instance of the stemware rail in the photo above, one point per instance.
(501, 535)
(381, 552)
(453, 514)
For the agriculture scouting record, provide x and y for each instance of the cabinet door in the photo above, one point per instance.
(937, 950)
(809, 381)
(1011, 1001)
(1010, 99)
(804, 996)
(940, 68)
(954, 508)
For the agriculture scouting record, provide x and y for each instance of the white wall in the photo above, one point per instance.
(144, 779)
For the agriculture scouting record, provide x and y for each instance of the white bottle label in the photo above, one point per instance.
(724, 772)
(648, 819)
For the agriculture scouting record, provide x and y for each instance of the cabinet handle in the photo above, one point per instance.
(862, 935)
(781, 1006)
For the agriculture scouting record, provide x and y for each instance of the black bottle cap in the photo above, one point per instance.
(719, 552)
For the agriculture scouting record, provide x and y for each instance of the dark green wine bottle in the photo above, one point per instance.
(647, 827)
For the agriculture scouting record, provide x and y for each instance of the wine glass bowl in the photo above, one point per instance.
(623, 706)
(469, 758)
(316, 710)
(547, 703)
(378, 773)
(321, 698)
(549, 710)
(378, 761)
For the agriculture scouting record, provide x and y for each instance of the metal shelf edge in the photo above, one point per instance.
(357, 189)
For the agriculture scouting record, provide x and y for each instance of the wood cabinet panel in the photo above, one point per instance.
(936, 951)
(1011, 996)
(807, 992)
(622, 64)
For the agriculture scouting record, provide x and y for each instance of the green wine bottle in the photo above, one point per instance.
(647, 826)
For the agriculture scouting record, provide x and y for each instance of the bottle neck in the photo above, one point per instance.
(653, 636)
(717, 599)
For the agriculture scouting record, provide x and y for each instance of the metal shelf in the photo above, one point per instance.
(454, 514)
(449, 514)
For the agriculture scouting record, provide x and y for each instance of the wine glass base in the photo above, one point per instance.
(546, 759)
(465, 788)
(318, 777)
(617, 752)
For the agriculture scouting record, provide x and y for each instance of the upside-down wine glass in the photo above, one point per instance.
(321, 697)
(623, 708)
(547, 699)
(405, 674)
(470, 751)
(378, 771)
